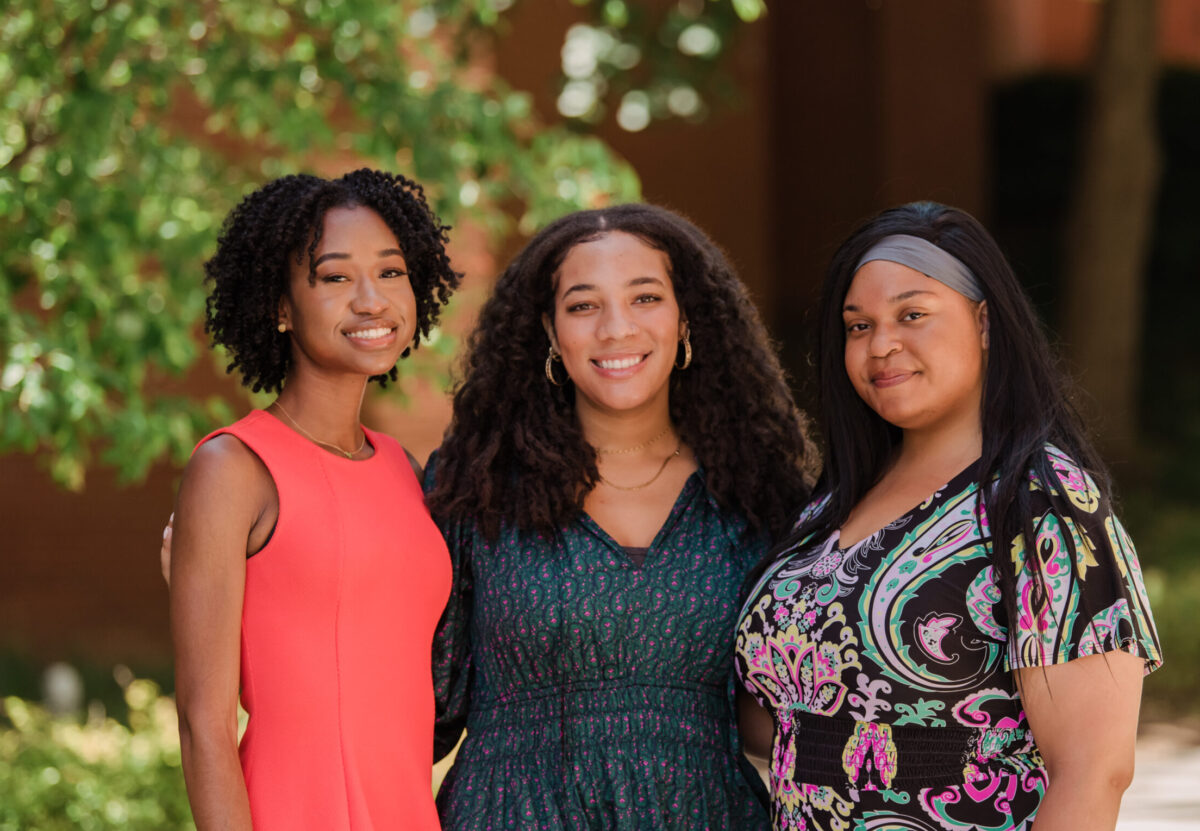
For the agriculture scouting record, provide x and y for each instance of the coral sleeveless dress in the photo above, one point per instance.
(337, 625)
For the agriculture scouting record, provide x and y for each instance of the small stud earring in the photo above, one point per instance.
(282, 327)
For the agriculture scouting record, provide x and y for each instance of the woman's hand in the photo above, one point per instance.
(164, 553)
(1084, 717)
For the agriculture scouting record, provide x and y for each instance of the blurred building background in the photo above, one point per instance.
(835, 110)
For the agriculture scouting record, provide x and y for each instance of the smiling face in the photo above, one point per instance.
(616, 323)
(358, 313)
(915, 349)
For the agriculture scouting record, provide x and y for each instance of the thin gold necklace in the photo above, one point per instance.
(604, 451)
(649, 481)
(349, 454)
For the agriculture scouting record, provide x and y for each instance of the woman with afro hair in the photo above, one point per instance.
(622, 447)
(306, 571)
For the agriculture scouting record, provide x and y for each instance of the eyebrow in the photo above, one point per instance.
(899, 298)
(636, 281)
(338, 255)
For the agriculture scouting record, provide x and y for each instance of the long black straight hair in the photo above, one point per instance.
(1026, 401)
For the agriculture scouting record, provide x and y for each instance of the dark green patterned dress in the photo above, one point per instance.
(596, 694)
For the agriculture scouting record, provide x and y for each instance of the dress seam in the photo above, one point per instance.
(337, 638)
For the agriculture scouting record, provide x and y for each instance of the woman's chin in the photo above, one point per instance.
(901, 418)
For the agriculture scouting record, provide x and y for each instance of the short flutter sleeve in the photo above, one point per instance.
(1095, 596)
(452, 664)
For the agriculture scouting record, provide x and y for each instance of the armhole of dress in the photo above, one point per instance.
(270, 473)
(416, 467)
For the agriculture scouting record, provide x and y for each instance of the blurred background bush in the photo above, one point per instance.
(60, 774)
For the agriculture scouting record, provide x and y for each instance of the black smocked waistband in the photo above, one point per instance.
(835, 751)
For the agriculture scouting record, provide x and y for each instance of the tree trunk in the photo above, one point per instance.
(1110, 222)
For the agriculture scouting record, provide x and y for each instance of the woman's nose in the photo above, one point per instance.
(617, 323)
(883, 341)
(369, 298)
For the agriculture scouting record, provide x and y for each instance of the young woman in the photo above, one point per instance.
(954, 635)
(621, 447)
(306, 571)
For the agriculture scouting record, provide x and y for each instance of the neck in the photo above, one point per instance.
(615, 431)
(328, 408)
(944, 449)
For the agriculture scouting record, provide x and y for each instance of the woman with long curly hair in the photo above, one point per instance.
(306, 571)
(623, 445)
(954, 635)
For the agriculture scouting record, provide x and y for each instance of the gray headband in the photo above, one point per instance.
(925, 257)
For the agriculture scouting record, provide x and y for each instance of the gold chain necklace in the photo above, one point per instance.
(642, 446)
(649, 481)
(349, 454)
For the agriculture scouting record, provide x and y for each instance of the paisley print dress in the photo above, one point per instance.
(596, 693)
(887, 665)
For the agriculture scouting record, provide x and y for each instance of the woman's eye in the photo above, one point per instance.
(913, 315)
(647, 298)
(333, 278)
(580, 307)
(394, 272)
(855, 328)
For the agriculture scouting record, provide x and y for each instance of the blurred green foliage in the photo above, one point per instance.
(57, 774)
(1174, 690)
(1168, 536)
(128, 128)
(645, 63)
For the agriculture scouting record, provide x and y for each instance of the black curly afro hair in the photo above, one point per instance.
(284, 219)
(515, 454)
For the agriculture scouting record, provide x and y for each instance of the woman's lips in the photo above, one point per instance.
(373, 337)
(616, 366)
(890, 379)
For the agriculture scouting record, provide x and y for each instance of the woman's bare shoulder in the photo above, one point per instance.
(225, 468)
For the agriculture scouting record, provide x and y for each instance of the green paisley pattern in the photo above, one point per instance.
(596, 693)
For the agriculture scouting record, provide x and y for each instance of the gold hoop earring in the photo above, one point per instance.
(550, 359)
(687, 351)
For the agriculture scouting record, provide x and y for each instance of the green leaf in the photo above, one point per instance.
(129, 129)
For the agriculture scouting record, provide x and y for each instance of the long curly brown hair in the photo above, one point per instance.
(515, 453)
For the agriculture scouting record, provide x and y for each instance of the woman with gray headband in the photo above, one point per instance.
(955, 633)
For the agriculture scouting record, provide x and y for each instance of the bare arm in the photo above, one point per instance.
(219, 504)
(756, 728)
(1084, 719)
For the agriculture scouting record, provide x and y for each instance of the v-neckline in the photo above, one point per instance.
(837, 533)
(681, 502)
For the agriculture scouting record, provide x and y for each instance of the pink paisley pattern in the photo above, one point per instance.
(906, 630)
(869, 749)
(800, 667)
